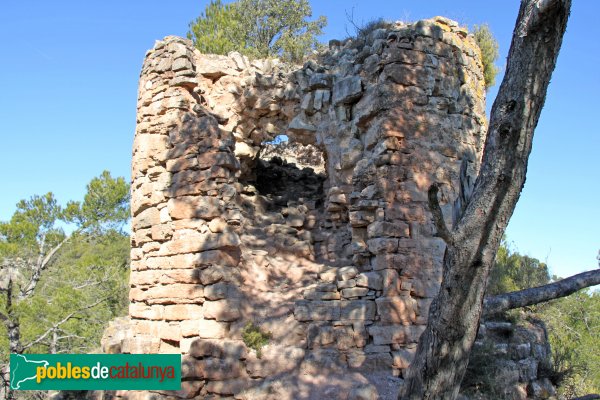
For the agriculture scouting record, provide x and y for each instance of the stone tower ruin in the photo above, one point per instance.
(325, 244)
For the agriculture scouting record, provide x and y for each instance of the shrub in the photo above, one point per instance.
(254, 338)
(489, 53)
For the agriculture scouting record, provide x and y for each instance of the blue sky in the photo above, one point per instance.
(69, 80)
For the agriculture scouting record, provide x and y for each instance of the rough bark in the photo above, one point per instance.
(588, 397)
(443, 351)
(11, 321)
(536, 295)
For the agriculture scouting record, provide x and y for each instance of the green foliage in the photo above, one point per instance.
(574, 332)
(254, 338)
(362, 32)
(482, 372)
(82, 283)
(513, 271)
(489, 52)
(258, 29)
(573, 322)
(34, 220)
(218, 29)
(89, 270)
(105, 205)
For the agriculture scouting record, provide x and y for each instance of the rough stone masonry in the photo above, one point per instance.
(339, 264)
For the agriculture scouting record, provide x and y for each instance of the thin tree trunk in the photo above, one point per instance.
(540, 294)
(12, 323)
(443, 350)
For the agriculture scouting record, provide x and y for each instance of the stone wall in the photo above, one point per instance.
(338, 264)
(510, 360)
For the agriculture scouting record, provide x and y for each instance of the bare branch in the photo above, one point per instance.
(62, 321)
(554, 290)
(438, 216)
(39, 267)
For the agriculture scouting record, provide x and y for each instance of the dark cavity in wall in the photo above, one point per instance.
(287, 172)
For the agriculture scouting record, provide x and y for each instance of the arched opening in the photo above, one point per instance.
(286, 173)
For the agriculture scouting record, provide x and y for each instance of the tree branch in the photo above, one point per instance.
(536, 295)
(39, 267)
(59, 323)
(438, 216)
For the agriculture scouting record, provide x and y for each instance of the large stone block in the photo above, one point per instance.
(211, 329)
(274, 360)
(305, 310)
(221, 290)
(358, 310)
(223, 310)
(169, 294)
(354, 292)
(388, 229)
(146, 219)
(396, 310)
(370, 362)
(347, 90)
(371, 280)
(217, 273)
(382, 245)
(228, 387)
(179, 312)
(215, 369)
(222, 159)
(143, 311)
(228, 349)
(395, 334)
(190, 207)
(194, 242)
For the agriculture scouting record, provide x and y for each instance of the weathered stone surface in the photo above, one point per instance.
(388, 334)
(396, 310)
(180, 312)
(222, 310)
(358, 310)
(382, 245)
(146, 219)
(354, 292)
(347, 90)
(217, 273)
(371, 280)
(215, 66)
(228, 387)
(274, 360)
(319, 81)
(229, 349)
(225, 234)
(211, 329)
(299, 126)
(369, 361)
(221, 290)
(364, 392)
(193, 242)
(219, 369)
(317, 310)
(403, 357)
(388, 229)
(346, 273)
(190, 207)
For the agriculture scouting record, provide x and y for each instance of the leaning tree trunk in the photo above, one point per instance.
(443, 351)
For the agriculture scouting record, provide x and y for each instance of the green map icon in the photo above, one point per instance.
(23, 369)
(95, 371)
